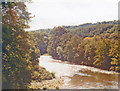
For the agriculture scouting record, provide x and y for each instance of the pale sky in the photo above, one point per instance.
(51, 13)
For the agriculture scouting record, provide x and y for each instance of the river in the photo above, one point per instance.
(79, 76)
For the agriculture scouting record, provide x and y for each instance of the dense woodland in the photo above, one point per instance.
(20, 63)
(89, 44)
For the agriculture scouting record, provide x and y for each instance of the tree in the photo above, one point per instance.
(114, 55)
(16, 46)
(55, 40)
(102, 60)
(58, 31)
(71, 52)
(41, 40)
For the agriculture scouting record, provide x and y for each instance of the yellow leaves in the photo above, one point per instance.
(114, 62)
(112, 68)
(17, 56)
(117, 68)
(95, 61)
(88, 38)
(29, 67)
(19, 37)
(8, 47)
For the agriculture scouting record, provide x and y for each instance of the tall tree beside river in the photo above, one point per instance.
(19, 52)
(16, 45)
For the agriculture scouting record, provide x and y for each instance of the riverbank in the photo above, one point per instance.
(55, 83)
(96, 69)
(77, 76)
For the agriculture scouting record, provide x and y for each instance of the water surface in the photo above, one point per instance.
(79, 76)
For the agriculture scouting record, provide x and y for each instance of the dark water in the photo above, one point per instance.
(79, 76)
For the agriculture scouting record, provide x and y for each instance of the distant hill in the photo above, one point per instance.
(89, 24)
(88, 29)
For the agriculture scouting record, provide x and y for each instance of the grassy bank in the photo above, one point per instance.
(40, 73)
(43, 79)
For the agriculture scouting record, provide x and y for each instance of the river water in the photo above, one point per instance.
(79, 76)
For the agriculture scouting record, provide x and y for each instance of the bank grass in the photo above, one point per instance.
(40, 73)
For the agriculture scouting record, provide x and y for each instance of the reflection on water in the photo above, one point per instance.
(80, 77)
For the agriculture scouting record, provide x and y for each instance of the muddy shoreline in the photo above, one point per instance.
(55, 83)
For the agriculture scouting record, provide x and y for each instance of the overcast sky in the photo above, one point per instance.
(51, 13)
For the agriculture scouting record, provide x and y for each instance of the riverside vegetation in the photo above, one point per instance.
(90, 44)
(20, 63)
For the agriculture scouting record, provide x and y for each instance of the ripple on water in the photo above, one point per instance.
(82, 74)
(79, 76)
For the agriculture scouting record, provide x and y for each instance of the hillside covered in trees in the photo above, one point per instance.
(89, 44)
(92, 44)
